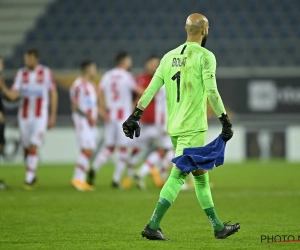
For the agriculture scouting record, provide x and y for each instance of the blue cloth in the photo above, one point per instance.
(202, 157)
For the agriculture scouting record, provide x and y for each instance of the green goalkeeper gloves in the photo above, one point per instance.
(132, 125)
(227, 131)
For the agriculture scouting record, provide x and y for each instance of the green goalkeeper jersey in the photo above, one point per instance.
(188, 73)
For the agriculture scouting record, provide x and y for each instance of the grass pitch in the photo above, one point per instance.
(263, 197)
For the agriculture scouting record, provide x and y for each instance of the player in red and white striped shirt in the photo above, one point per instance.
(148, 122)
(35, 87)
(153, 125)
(83, 96)
(115, 91)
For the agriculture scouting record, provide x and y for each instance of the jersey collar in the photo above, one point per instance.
(192, 43)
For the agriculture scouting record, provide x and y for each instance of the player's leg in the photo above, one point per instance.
(166, 164)
(202, 183)
(31, 166)
(150, 134)
(82, 167)
(204, 196)
(165, 145)
(102, 157)
(139, 146)
(105, 153)
(168, 194)
(26, 133)
(150, 163)
(87, 141)
(203, 193)
(135, 156)
(121, 160)
(173, 185)
(36, 129)
(25, 153)
(120, 165)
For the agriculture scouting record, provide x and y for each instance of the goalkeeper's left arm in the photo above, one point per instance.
(132, 125)
(155, 84)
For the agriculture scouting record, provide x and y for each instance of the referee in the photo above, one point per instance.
(2, 140)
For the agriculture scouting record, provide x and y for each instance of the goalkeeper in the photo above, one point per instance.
(188, 73)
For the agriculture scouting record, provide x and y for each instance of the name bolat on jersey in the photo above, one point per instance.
(178, 62)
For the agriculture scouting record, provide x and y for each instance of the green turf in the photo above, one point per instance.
(264, 198)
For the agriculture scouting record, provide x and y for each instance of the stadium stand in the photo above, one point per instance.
(16, 18)
(242, 33)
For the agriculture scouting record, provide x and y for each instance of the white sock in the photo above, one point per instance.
(152, 160)
(101, 158)
(144, 169)
(121, 163)
(31, 166)
(134, 158)
(81, 168)
(130, 171)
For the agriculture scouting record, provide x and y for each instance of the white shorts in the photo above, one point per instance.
(164, 141)
(86, 135)
(114, 135)
(153, 133)
(149, 133)
(32, 131)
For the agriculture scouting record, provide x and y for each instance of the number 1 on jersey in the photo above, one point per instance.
(177, 78)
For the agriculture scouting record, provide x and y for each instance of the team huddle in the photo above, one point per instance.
(34, 86)
(113, 100)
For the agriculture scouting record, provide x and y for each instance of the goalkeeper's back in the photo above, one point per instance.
(188, 72)
(183, 71)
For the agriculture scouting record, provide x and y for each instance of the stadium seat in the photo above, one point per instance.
(243, 32)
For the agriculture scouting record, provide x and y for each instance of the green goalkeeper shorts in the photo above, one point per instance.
(191, 140)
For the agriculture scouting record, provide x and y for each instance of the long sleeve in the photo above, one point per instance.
(155, 84)
(209, 78)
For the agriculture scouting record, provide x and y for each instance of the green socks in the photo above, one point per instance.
(159, 212)
(170, 191)
(168, 195)
(204, 197)
(214, 219)
(173, 185)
